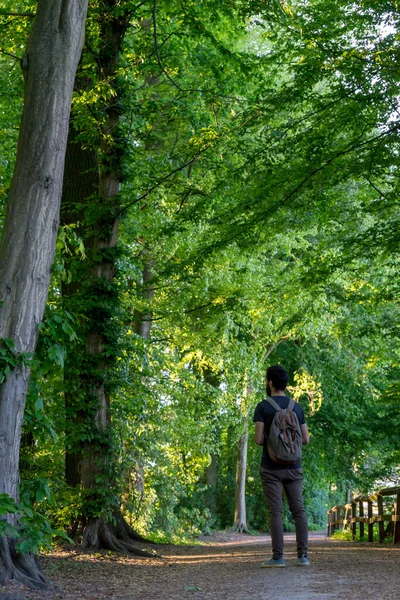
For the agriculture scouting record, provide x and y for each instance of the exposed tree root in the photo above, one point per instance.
(240, 527)
(99, 533)
(23, 568)
(125, 531)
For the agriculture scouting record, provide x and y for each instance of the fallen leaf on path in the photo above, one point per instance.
(194, 588)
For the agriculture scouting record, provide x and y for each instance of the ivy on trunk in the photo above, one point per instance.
(91, 197)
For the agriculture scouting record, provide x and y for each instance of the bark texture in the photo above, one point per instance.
(30, 229)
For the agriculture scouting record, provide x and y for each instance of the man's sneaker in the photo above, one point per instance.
(303, 562)
(274, 563)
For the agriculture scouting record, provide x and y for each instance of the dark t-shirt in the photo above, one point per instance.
(264, 413)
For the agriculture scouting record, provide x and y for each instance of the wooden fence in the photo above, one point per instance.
(366, 511)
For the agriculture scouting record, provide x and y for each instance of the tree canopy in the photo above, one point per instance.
(230, 201)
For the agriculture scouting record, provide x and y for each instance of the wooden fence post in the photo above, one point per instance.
(381, 524)
(370, 522)
(347, 519)
(396, 519)
(329, 523)
(350, 518)
(353, 519)
(361, 513)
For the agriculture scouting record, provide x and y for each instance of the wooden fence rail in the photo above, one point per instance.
(382, 506)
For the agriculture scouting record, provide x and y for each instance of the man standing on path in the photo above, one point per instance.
(277, 475)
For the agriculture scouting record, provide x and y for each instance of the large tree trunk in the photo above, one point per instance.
(30, 228)
(31, 223)
(91, 459)
(81, 182)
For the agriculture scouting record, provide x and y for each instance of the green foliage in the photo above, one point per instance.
(34, 531)
(256, 150)
(7, 505)
(345, 535)
(8, 358)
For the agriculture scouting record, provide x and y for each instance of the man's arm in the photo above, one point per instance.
(304, 434)
(259, 433)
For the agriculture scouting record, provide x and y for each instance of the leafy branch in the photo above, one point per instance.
(34, 530)
(14, 56)
(165, 178)
(4, 13)
(157, 46)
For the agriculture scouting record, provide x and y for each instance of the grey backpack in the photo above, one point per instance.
(284, 441)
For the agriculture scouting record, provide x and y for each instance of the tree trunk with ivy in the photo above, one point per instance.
(30, 229)
(94, 293)
(80, 184)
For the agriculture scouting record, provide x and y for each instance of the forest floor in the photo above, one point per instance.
(225, 566)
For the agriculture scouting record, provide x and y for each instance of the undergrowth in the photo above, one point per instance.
(346, 535)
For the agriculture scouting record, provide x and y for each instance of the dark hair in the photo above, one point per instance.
(279, 377)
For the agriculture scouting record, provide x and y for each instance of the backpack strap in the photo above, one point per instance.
(291, 404)
(276, 406)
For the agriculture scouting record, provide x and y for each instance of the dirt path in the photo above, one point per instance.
(227, 567)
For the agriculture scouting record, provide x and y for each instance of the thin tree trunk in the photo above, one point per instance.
(240, 521)
(211, 473)
(211, 481)
(30, 228)
(144, 321)
(142, 327)
(210, 476)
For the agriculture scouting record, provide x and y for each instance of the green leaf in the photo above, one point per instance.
(27, 510)
(57, 354)
(63, 535)
(68, 330)
(39, 403)
(7, 505)
(194, 588)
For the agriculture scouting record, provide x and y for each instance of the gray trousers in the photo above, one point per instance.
(274, 482)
